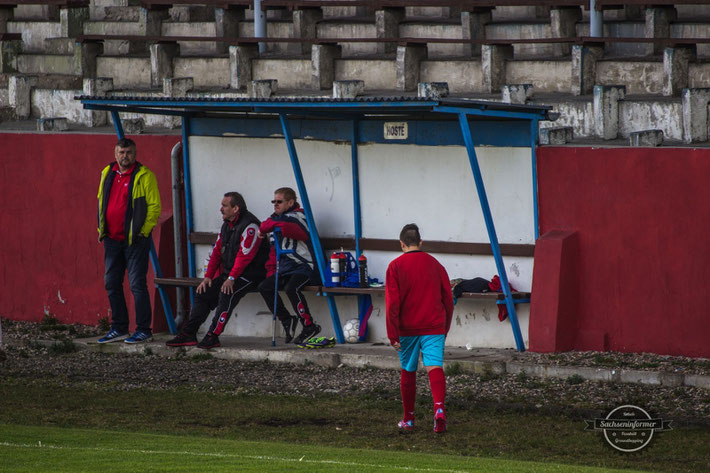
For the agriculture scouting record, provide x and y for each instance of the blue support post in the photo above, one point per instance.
(356, 186)
(488, 217)
(163, 296)
(315, 238)
(533, 146)
(153, 253)
(188, 202)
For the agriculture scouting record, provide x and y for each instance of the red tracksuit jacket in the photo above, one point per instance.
(417, 296)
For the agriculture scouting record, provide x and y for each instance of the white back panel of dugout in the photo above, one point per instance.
(430, 185)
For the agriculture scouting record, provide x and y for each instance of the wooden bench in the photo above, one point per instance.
(59, 3)
(374, 244)
(499, 297)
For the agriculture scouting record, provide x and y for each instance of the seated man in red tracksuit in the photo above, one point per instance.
(236, 267)
(296, 269)
(419, 308)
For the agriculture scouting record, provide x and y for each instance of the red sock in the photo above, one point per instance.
(408, 387)
(437, 381)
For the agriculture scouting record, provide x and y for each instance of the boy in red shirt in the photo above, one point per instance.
(419, 309)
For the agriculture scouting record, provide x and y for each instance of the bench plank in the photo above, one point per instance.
(344, 291)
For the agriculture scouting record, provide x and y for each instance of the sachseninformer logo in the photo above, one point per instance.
(628, 428)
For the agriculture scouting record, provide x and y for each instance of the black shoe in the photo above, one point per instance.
(289, 325)
(307, 332)
(210, 341)
(182, 340)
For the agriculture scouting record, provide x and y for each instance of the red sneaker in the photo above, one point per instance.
(440, 421)
(406, 426)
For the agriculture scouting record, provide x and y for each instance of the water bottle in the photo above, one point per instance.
(335, 269)
(362, 270)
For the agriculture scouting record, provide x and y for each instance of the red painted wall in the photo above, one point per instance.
(50, 257)
(642, 216)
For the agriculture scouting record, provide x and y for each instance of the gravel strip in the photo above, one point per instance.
(23, 358)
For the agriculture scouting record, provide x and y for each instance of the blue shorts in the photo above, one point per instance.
(430, 346)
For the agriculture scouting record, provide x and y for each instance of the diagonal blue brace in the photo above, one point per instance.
(315, 238)
(488, 217)
(167, 308)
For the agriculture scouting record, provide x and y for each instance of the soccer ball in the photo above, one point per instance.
(351, 330)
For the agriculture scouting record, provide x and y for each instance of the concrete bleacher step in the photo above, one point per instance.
(39, 63)
(126, 71)
(34, 33)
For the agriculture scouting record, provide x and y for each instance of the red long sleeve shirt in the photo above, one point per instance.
(417, 296)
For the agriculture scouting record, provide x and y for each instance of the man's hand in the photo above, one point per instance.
(397, 346)
(260, 235)
(228, 286)
(207, 282)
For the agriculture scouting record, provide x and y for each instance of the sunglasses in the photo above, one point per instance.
(277, 201)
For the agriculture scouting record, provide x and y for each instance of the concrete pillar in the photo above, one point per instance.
(9, 50)
(19, 90)
(133, 126)
(161, 62)
(433, 90)
(52, 124)
(262, 89)
(658, 24)
(323, 65)
(240, 72)
(387, 24)
(347, 89)
(646, 138)
(516, 93)
(408, 59)
(606, 110)
(6, 14)
(695, 114)
(556, 135)
(177, 86)
(72, 20)
(584, 67)
(675, 68)
(473, 26)
(227, 24)
(85, 55)
(96, 88)
(305, 21)
(151, 21)
(563, 24)
(493, 59)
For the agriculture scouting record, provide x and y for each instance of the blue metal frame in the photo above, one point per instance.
(153, 253)
(189, 224)
(488, 217)
(315, 238)
(533, 146)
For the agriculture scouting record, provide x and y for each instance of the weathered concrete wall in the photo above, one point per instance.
(415, 30)
(462, 76)
(545, 76)
(114, 67)
(34, 33)
(377, 74)
(192, 29)
(46, 64)
(443, 183)
(648, 115)
(639, 76)
(338, 29)
(295, 75)
(207, 72)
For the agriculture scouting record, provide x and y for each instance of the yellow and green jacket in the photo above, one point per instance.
(143, 206)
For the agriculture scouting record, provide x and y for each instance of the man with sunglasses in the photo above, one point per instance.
(235, 268)
(296, 268)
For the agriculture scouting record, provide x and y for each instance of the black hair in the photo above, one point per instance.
(410, 235)
(236, 199)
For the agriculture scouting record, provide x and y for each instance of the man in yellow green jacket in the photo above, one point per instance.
(129, 207)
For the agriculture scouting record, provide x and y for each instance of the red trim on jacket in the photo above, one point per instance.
(248, 249)
(418, 296)
(117, 204)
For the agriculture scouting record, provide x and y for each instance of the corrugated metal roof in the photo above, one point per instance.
(363, 104)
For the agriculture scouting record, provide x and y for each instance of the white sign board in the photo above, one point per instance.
(396, 130)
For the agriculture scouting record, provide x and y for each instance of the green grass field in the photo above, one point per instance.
(37, 449)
